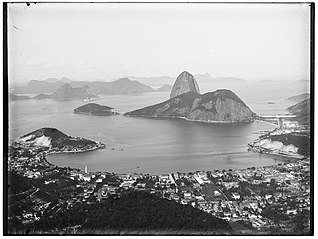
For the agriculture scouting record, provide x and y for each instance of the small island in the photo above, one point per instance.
(95, 109)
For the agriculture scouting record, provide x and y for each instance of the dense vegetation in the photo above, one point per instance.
(17, 183)
(61, 142)
(134, 210)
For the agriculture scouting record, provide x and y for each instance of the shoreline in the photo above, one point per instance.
(186, 119)
(263, 121)
(134, 170)
(80, 151)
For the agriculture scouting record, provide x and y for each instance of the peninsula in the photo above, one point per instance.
(51, 140)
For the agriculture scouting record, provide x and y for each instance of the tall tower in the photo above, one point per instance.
(85, 169)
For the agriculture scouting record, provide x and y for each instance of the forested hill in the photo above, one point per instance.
(302, 110)
(138, 213)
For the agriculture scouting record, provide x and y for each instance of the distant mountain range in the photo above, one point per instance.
(63, 79)
(185, 102)
(201, 78)
(67, 92)
(37, 87)
(123, 86)
(207, 78)
(128, 86)
(154, 81)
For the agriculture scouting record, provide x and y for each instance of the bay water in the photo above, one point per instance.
(142, 145)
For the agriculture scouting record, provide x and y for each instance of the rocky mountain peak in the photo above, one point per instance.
(184, 83)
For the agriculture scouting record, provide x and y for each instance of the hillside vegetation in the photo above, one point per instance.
(135, 211)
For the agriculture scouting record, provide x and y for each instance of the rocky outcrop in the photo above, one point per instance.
(183, 84)
(217, 106)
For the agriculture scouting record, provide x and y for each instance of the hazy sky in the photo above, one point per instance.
(79, 41)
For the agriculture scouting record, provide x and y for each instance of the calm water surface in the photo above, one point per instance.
(145, 145)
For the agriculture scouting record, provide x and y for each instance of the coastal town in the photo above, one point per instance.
(272, 199)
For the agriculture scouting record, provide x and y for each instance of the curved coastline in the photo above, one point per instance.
(184, 118)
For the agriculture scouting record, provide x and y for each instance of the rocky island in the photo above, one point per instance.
(95, 109)
(54, 141)
(222, 105)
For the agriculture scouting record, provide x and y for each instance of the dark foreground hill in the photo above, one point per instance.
(137, 213)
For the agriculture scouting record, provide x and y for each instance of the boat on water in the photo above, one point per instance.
(270, 102)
